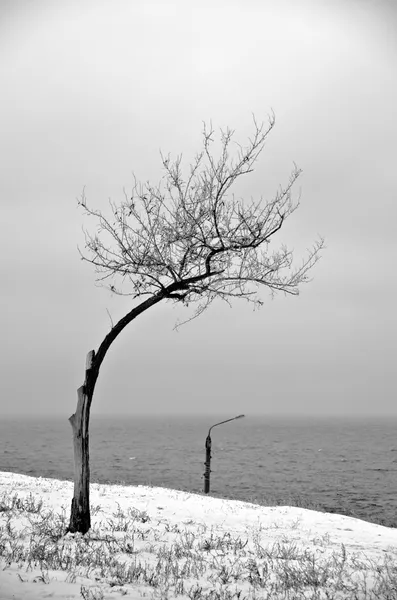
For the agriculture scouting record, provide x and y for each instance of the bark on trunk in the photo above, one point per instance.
(80, 518)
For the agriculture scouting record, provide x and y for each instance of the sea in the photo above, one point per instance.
(342, 465)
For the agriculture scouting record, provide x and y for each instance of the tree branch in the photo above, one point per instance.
(187, 239)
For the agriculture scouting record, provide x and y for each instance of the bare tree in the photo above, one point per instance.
(188, 240)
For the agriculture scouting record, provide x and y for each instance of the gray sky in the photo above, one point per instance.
(91, 91)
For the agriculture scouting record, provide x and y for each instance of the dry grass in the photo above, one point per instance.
(127, 550)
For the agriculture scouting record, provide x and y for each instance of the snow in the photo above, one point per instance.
(320, 533)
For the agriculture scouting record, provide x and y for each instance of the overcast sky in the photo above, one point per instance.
(91, 91)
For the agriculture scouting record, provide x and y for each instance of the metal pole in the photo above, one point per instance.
(208, 454)
(207, 464)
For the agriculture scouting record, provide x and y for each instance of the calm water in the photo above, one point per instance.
(340, 465)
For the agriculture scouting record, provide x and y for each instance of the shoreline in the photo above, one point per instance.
(289, 500)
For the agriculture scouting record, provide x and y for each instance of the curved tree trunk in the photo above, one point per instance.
(80, 519)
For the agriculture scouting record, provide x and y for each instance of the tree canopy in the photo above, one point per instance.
(189, 239)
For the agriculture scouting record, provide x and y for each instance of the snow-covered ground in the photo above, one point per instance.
(182, 545)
